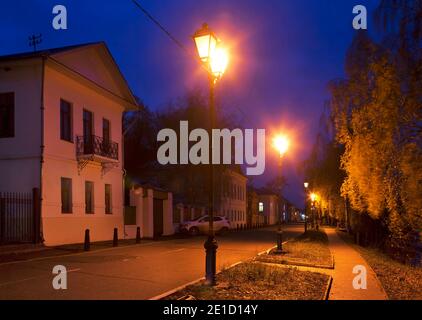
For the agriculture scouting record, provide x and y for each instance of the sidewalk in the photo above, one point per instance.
(345, 259)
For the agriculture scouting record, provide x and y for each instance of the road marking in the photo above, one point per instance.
(174, 251)
(170, 292)
(32, 278)
(78, 253)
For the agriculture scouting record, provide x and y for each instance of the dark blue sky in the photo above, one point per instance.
(283, 54)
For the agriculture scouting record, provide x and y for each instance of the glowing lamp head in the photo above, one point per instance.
(281, 144)
(218, 61)
(314, 197)
(206, 43)
(306, 184)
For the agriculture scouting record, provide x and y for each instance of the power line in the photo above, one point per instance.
(159, 25)
(178, 43)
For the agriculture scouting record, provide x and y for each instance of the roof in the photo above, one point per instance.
(48, 53)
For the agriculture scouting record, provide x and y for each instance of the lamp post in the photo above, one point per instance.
(314, 198)
(215, 59)
(281, 144)
(306, 185)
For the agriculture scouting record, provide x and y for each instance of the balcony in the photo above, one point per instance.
(96, 149)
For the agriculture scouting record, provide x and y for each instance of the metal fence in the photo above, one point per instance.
(19, 217)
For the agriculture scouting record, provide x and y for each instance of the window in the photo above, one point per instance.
(106, 131)
(89, 197)
(7, 115)
(261, 207)
(88, 130)
(108, 207)
(65, 120)
(66, 191)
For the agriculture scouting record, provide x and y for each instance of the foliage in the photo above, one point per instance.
(377, 112)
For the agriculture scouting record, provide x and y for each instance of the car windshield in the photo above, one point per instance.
(197, 219)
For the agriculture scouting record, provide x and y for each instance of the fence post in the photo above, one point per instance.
(36, 210)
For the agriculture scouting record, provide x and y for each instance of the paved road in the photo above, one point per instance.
(137, 272)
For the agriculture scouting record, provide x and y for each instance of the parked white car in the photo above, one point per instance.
(201, 225)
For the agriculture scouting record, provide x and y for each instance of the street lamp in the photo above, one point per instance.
(306, 185)
(314, 198)
(215, 60)
(281, 143)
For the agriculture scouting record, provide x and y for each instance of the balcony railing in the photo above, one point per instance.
(96, 146)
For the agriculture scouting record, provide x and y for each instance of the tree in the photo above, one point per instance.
(377, 112)
(190, 182)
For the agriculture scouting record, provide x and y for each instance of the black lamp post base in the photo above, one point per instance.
(279, 249)
(211, 260)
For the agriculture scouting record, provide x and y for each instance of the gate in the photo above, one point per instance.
(158, 218)
(19, 217)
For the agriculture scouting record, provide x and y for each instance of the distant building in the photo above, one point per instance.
(61, 132)
(269, 206)
(254, 217)
(233, 197)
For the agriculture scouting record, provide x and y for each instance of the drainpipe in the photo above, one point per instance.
(122, 143)
(42, 109)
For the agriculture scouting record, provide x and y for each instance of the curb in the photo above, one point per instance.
(298, 264)
(328, 288)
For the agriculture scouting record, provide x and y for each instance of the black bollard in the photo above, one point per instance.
(138, 235)
(115, 238)
(87, 245)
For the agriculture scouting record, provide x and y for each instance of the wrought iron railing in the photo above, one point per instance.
(94, 145)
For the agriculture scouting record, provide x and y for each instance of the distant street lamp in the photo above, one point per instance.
(306, 185)
(314, 198)
(281, 143)
(215, 60)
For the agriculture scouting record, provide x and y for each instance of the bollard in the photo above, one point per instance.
(87, 245)
(115, 238)
(138, 235)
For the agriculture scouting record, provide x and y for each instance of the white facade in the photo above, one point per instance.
(234, 200)
(144, 199)
(269, 207)
(37, 156)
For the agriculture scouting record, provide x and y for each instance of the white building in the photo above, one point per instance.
(61, 131)
(153, 212)
(234, 200)
(268, 205)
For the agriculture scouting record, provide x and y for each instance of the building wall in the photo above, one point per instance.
(271, 208)
(60, 161)
(20, 156)
(254, 217)
(234, 199)
(143, 200)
